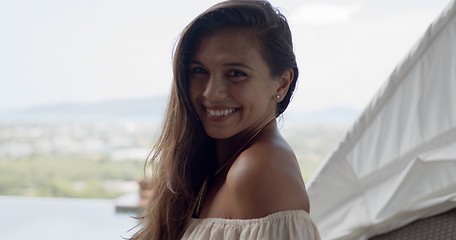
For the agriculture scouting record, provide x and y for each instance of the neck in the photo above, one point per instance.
(226, 149)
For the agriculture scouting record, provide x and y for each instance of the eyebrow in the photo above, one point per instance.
(228, 64)
(236, 64)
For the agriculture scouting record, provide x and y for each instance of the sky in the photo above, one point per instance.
(61, 51)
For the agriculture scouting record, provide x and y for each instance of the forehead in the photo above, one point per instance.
(230, 37)
(239, 42)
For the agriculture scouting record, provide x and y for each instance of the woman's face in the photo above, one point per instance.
(231, 87)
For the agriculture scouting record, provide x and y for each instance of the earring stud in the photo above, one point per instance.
(278, 96)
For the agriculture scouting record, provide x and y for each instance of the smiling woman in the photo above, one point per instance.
(221, 167)
(231, 85)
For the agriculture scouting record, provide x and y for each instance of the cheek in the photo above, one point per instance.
(253, 101)
(195, 91)
(196, 86)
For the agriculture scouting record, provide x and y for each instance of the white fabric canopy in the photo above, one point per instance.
(398, 162)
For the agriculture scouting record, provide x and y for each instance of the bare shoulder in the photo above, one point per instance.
(265, 179)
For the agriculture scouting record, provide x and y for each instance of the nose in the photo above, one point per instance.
(216, 88)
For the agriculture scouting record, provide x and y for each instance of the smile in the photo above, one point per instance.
(219, 112)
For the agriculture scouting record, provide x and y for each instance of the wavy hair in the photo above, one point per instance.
(184, 154)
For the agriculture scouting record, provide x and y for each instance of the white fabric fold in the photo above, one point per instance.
(398, 162)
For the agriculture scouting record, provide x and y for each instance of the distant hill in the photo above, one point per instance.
(121, 107)
(149, 108)
(339, 115)
(152, 108)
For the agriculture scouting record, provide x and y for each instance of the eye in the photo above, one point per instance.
(197, 71)
(237, 75)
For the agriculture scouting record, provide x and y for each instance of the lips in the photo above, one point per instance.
(218, 113)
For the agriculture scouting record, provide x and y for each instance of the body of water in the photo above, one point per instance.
(24, 218)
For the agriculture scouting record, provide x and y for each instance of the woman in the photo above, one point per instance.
(221, 168)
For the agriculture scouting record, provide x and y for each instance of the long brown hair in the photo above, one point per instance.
(184, 154)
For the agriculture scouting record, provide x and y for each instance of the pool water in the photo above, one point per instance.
(24, 218)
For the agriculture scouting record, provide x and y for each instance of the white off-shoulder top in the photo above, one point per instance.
(291, 224)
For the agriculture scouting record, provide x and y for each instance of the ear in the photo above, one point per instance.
(283, 83)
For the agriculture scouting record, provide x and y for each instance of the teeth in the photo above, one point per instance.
(219, 113)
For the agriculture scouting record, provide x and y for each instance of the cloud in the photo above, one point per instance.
(324, 14)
